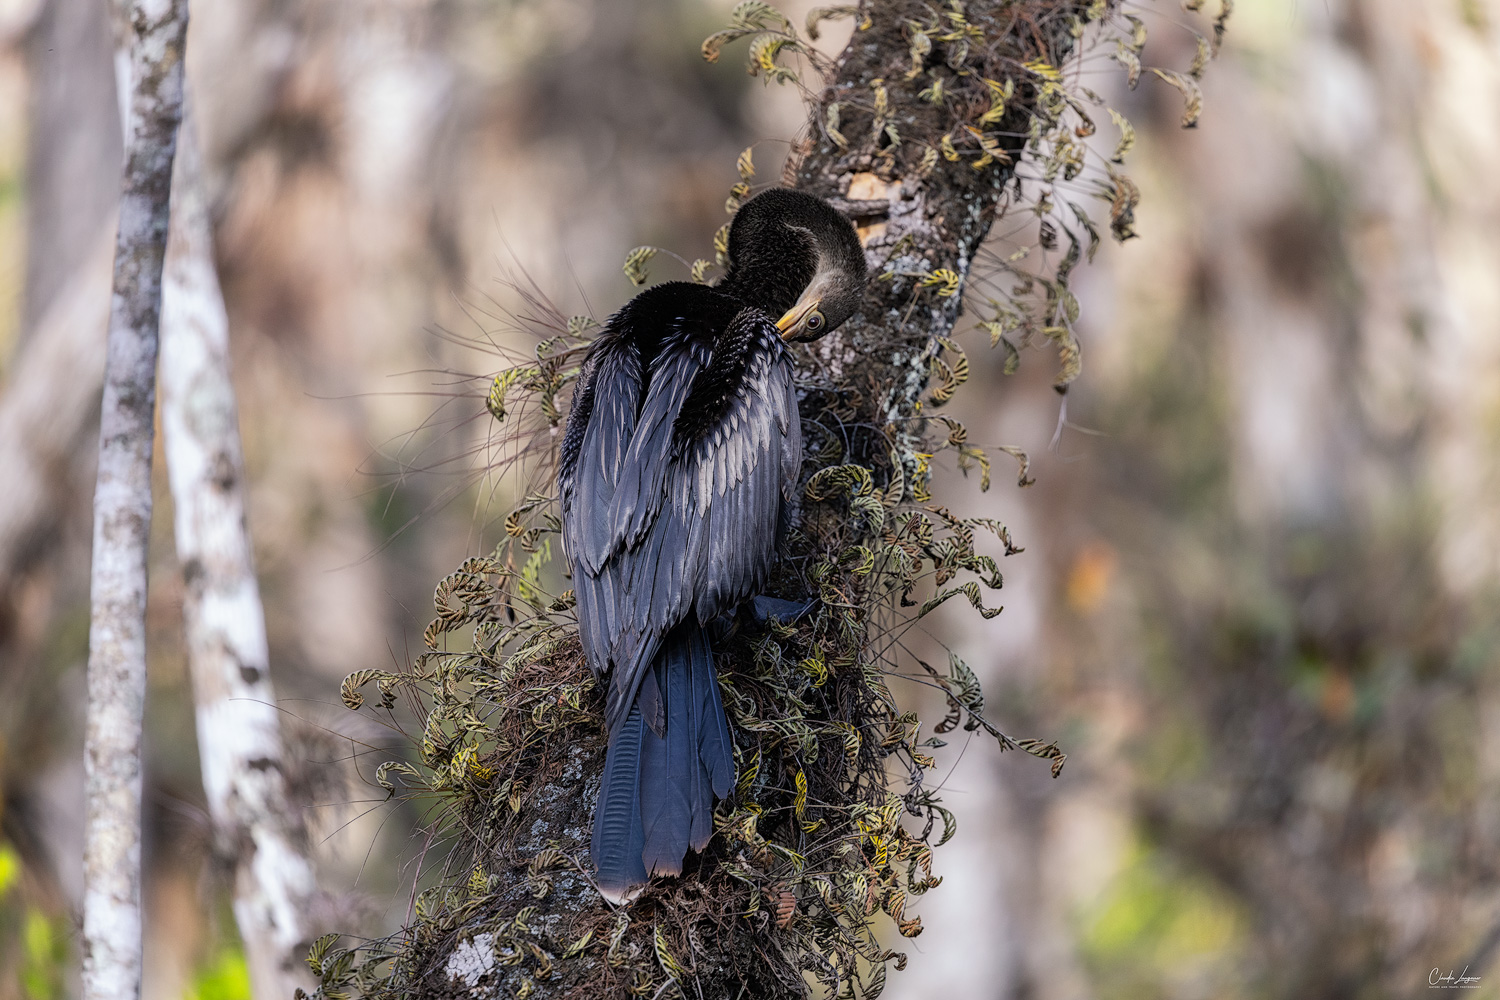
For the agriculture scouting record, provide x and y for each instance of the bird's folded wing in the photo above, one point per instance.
(731, 481)
(598, 437)
(610, 389)
(648, 461)
(697, 519)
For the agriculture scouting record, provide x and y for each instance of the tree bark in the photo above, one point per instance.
(122, 512)
(257, 830)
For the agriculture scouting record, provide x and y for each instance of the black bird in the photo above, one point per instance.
(681, 453)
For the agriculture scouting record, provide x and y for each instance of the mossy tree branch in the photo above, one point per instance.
(917, 135)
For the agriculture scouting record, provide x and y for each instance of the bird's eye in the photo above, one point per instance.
(814, 321)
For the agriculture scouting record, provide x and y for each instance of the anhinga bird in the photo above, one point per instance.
(681, 453)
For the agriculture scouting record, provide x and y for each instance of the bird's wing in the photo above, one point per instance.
(694, 517)
(593, 455)
(740, 448)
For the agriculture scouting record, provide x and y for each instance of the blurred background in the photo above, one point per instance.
(1258, 602)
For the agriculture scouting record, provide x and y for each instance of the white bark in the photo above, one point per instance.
(122, 513)
(239, 736)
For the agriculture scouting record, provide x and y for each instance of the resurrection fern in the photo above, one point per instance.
(833, 820)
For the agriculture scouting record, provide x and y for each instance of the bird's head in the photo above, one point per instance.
(793, 255)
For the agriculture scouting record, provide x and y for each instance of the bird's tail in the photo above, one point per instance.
(668, 759)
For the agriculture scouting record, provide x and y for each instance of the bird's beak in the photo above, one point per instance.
(791, 323)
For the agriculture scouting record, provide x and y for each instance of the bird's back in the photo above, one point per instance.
(682, 445)
(679, 456)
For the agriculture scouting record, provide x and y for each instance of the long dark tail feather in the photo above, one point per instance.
(715, 747)
(617, 840)
(657, 797)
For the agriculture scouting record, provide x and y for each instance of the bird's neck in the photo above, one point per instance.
(772, 285)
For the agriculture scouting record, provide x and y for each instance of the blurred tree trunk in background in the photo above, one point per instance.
(113, 759)
(49, 412)
(258, 829)
(72, 167)
(73, 149)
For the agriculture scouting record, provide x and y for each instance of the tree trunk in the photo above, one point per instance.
(122, 513)
(792, 883)
(257, 831)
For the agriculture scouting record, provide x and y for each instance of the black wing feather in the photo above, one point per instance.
(686, 522)
(600, 430)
